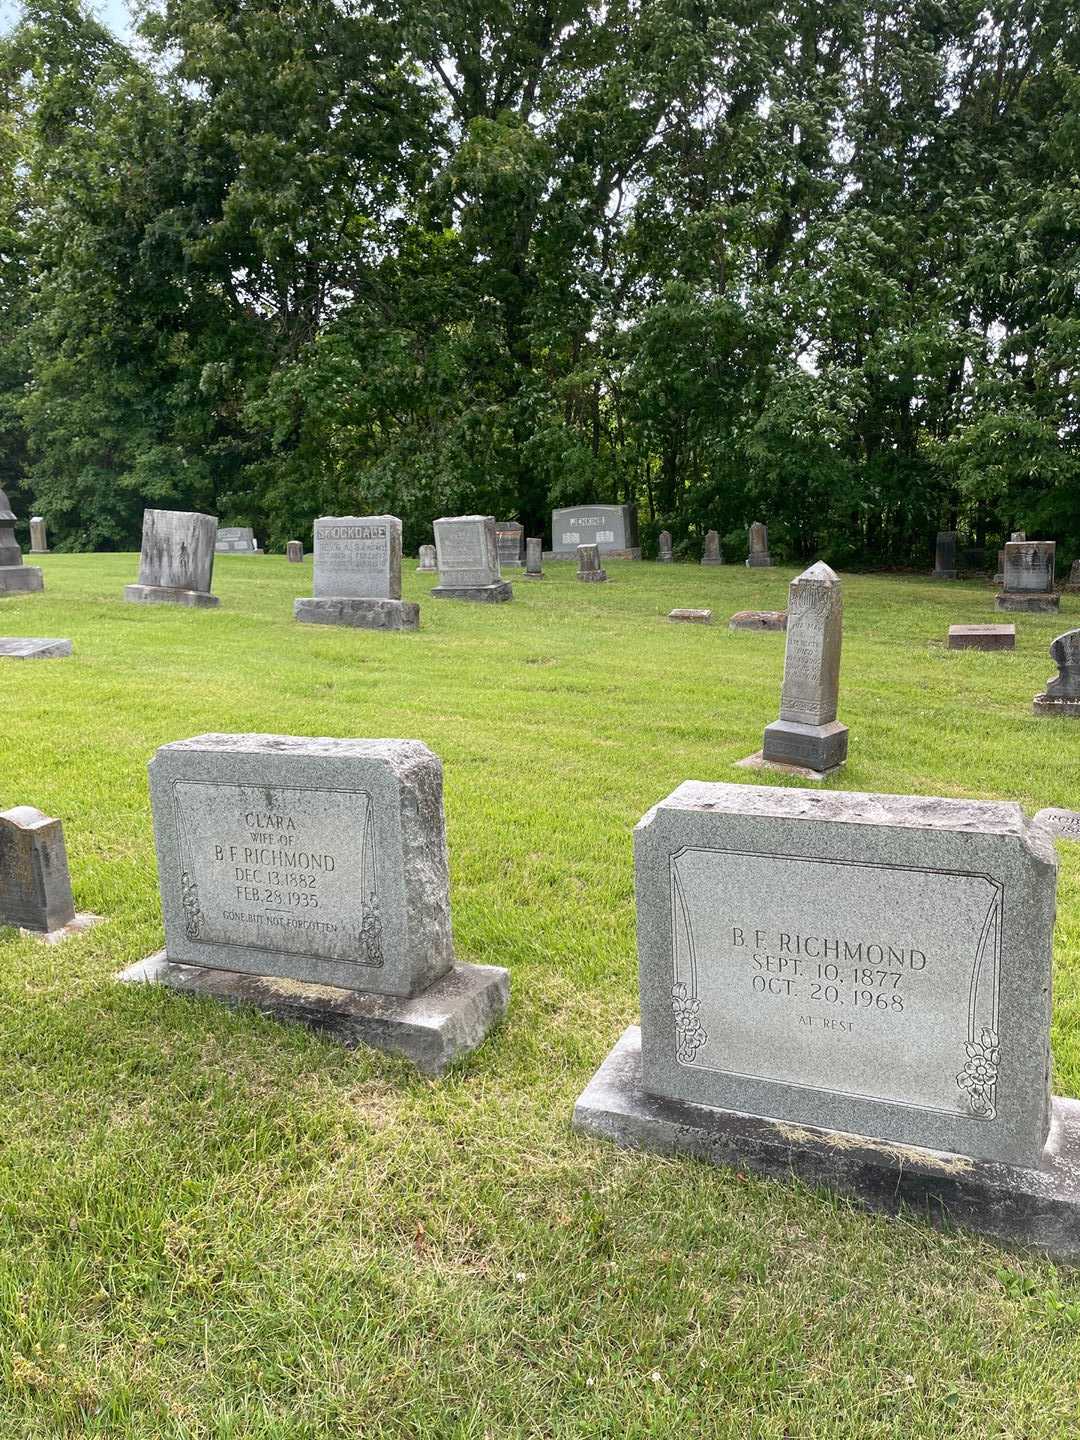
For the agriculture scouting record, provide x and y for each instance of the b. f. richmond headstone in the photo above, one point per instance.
(357, 575)
(868, 965)
(468, 558)
(808, 733)
(176, 563)
(316, 863)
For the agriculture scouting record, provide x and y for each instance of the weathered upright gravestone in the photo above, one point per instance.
(510, 541)
(808, 733)
(176, 563)
(236, 540)
(294, 552)
(309, 877)
(1062, 694)
(14, 575)
(711, 554)
(468, 559)
(427, 564)
(613, 529)
(534, 558)
(759, 546)
(1029, 577)
(1073, 582)
(35, 888)
(945, 564)
(39, 544)
(664, 552)
(873, 966)
(357, 575)
(588, 564)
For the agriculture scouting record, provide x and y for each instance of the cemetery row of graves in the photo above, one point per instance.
(872, 969)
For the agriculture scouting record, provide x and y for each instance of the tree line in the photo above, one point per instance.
(817, 264)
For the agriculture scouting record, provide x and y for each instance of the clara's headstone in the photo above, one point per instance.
(39, 544)
(711, 554)
(176, 564)
(35, 887)
(427, 564)
(759, 546)
(319, 866)
(588, 563)
(357, 575)
(534, 558)
(945, 556)
(510, 539)
(808, 733)
(294, 552)
(236, 540)
(1029, 577)
(468, 559)
(664, 552)
(1062, 694)
(613, 529)
(14, 575)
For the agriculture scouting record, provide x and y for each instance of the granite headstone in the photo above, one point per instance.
(534, 558)
(33, 647)
(588, 564)
(35, 887)
(808, 734)
(1063, 823)
(613, 529)
(14, 575)
(176, 563)
(759, 546)
(510, 540)
(982, 637)
(945, 563)
(294, 552)
(664, 552)
(711, 553)
(236, 540)
(357, 575)
(427, 564)
(1029, 577)
(39, 544)
(1062, 694)
(468, 560)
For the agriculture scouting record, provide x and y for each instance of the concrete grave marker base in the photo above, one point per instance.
(21, 578)
(592, 575)
(32, 647)
(692, 617)
(485, 594)
(758, 620)
(757, 761)
(982, 637)
(1065, 707)
(169, 595)
(361, 613)
(1028, 602)
(1039, 1208)
(759, 562)
(818, 747)
(447, 1020)
(82, 922)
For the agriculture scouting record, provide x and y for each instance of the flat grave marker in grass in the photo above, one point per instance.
(357, 575)
(33, 647)
(982, 637)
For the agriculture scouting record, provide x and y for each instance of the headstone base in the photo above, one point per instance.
(1033, 602)
(691, 617)
(1036, 1208)
(486, 594)
(1063, 706)
(447, 1020)
(709, 561)
(27, 647)
(665, 559)
(21, 578)
(946, 574)
(82, 922)
(818, 747)
(427, 569)
(758, 620)
(362, 613)
(757, 761)
(169, 595)
(759, 562)
(531, 575)
(982, 637)
(591, 576)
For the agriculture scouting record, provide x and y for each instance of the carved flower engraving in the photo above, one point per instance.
(689, 1034)
(189, 895)
(371, 934)
(979, 1075)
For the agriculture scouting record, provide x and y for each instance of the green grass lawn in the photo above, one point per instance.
(212, 1225)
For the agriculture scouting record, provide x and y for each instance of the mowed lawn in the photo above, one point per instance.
(212, 1225)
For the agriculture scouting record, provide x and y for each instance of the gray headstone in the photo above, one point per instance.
(39, 544)
(534, 558)
(1029, 577)
(1018, 535)
(711, 554)
(427, 564)
(664, 552)
(613, 529)
(294, 552)
(236, 540)
(1062, 694)
(321, 861)
(35, 887)
(945, 563)
(510, 541)
(468, 558)
(26, 647)
(588, 563)
(872, 964)
(176, 563)
(1073, 582)
(691, 617)
(358, 575)
(14, 575)
(1064, 823)
(759, 546)
(808, 732)
(982, 637)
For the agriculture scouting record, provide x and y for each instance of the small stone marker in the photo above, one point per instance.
(872, 966)
(39, 545)
(294, 552)
(758, 620)
(613, 529)
(945, 556)
(236, 540)
(26, 647)
(808, 734)
(309, 877)
(14, 575)
(999, 573)
(664, 551)
(176, 564)
(1064, 823)
(588, 563)
(357, 575)
(468, 559)
(510, 540)
(427, 564)
(1062, 694)
(759, 546)
(534, 558)
(982, 637)
(1029, 577)
(1073, 582)
(35, 887)
(1018, 535)
(691, 617)
(711, 554)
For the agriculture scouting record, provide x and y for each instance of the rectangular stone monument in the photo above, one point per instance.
(28, 647)
(176, 564)
(816, 968)
(39, 544)
(534, 558)
(588, 564)
(1063, 823)
(510, 541)
(691, 617)
(318, 866)
(35, 886)
(1062, 694)
(294, 552)
(664, 551)
(1029, 577)
(236, 540)
(808, 733)
(1073, 582)
(427, 564)
(982, 637)
(357, 575)
(711, 554)
(945, 566)
(14, 575)
(768, 620)
(613, 529)
(759, 556)
(468, 560)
